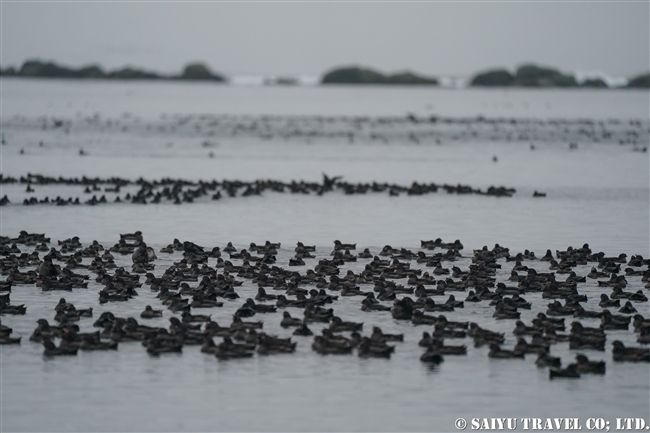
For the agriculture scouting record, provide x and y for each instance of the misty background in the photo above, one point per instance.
(453, 39)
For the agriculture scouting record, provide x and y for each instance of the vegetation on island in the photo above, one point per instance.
(530, 75)
(42, 69)
(357, 75)
(640, 81)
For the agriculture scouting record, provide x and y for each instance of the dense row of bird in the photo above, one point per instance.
(314, 290)
(181, 191)
(210, 129)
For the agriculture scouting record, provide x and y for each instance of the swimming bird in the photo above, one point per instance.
(338, 325)
(431, 356)
(150, 313)
(497, 352)
(629, 354)
(52, 350)
(570, 372)
(368, 348)
(340, 246)
(546, 360)
(303, 330)
(587, 366)
(288, 321)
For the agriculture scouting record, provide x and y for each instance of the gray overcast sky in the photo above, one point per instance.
(290, 38)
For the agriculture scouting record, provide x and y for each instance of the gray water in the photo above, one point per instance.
(597, 193)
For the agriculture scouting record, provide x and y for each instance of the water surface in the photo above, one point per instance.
(597, 193)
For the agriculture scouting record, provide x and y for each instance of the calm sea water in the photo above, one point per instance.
(597, 193)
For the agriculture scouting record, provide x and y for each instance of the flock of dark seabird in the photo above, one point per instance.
(191, 284)
(411, 128)
(181, 191)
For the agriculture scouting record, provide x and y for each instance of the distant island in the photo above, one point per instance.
(527, 75)
(356, 75)
(640, 82)
(40, 69)
(530, 75)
